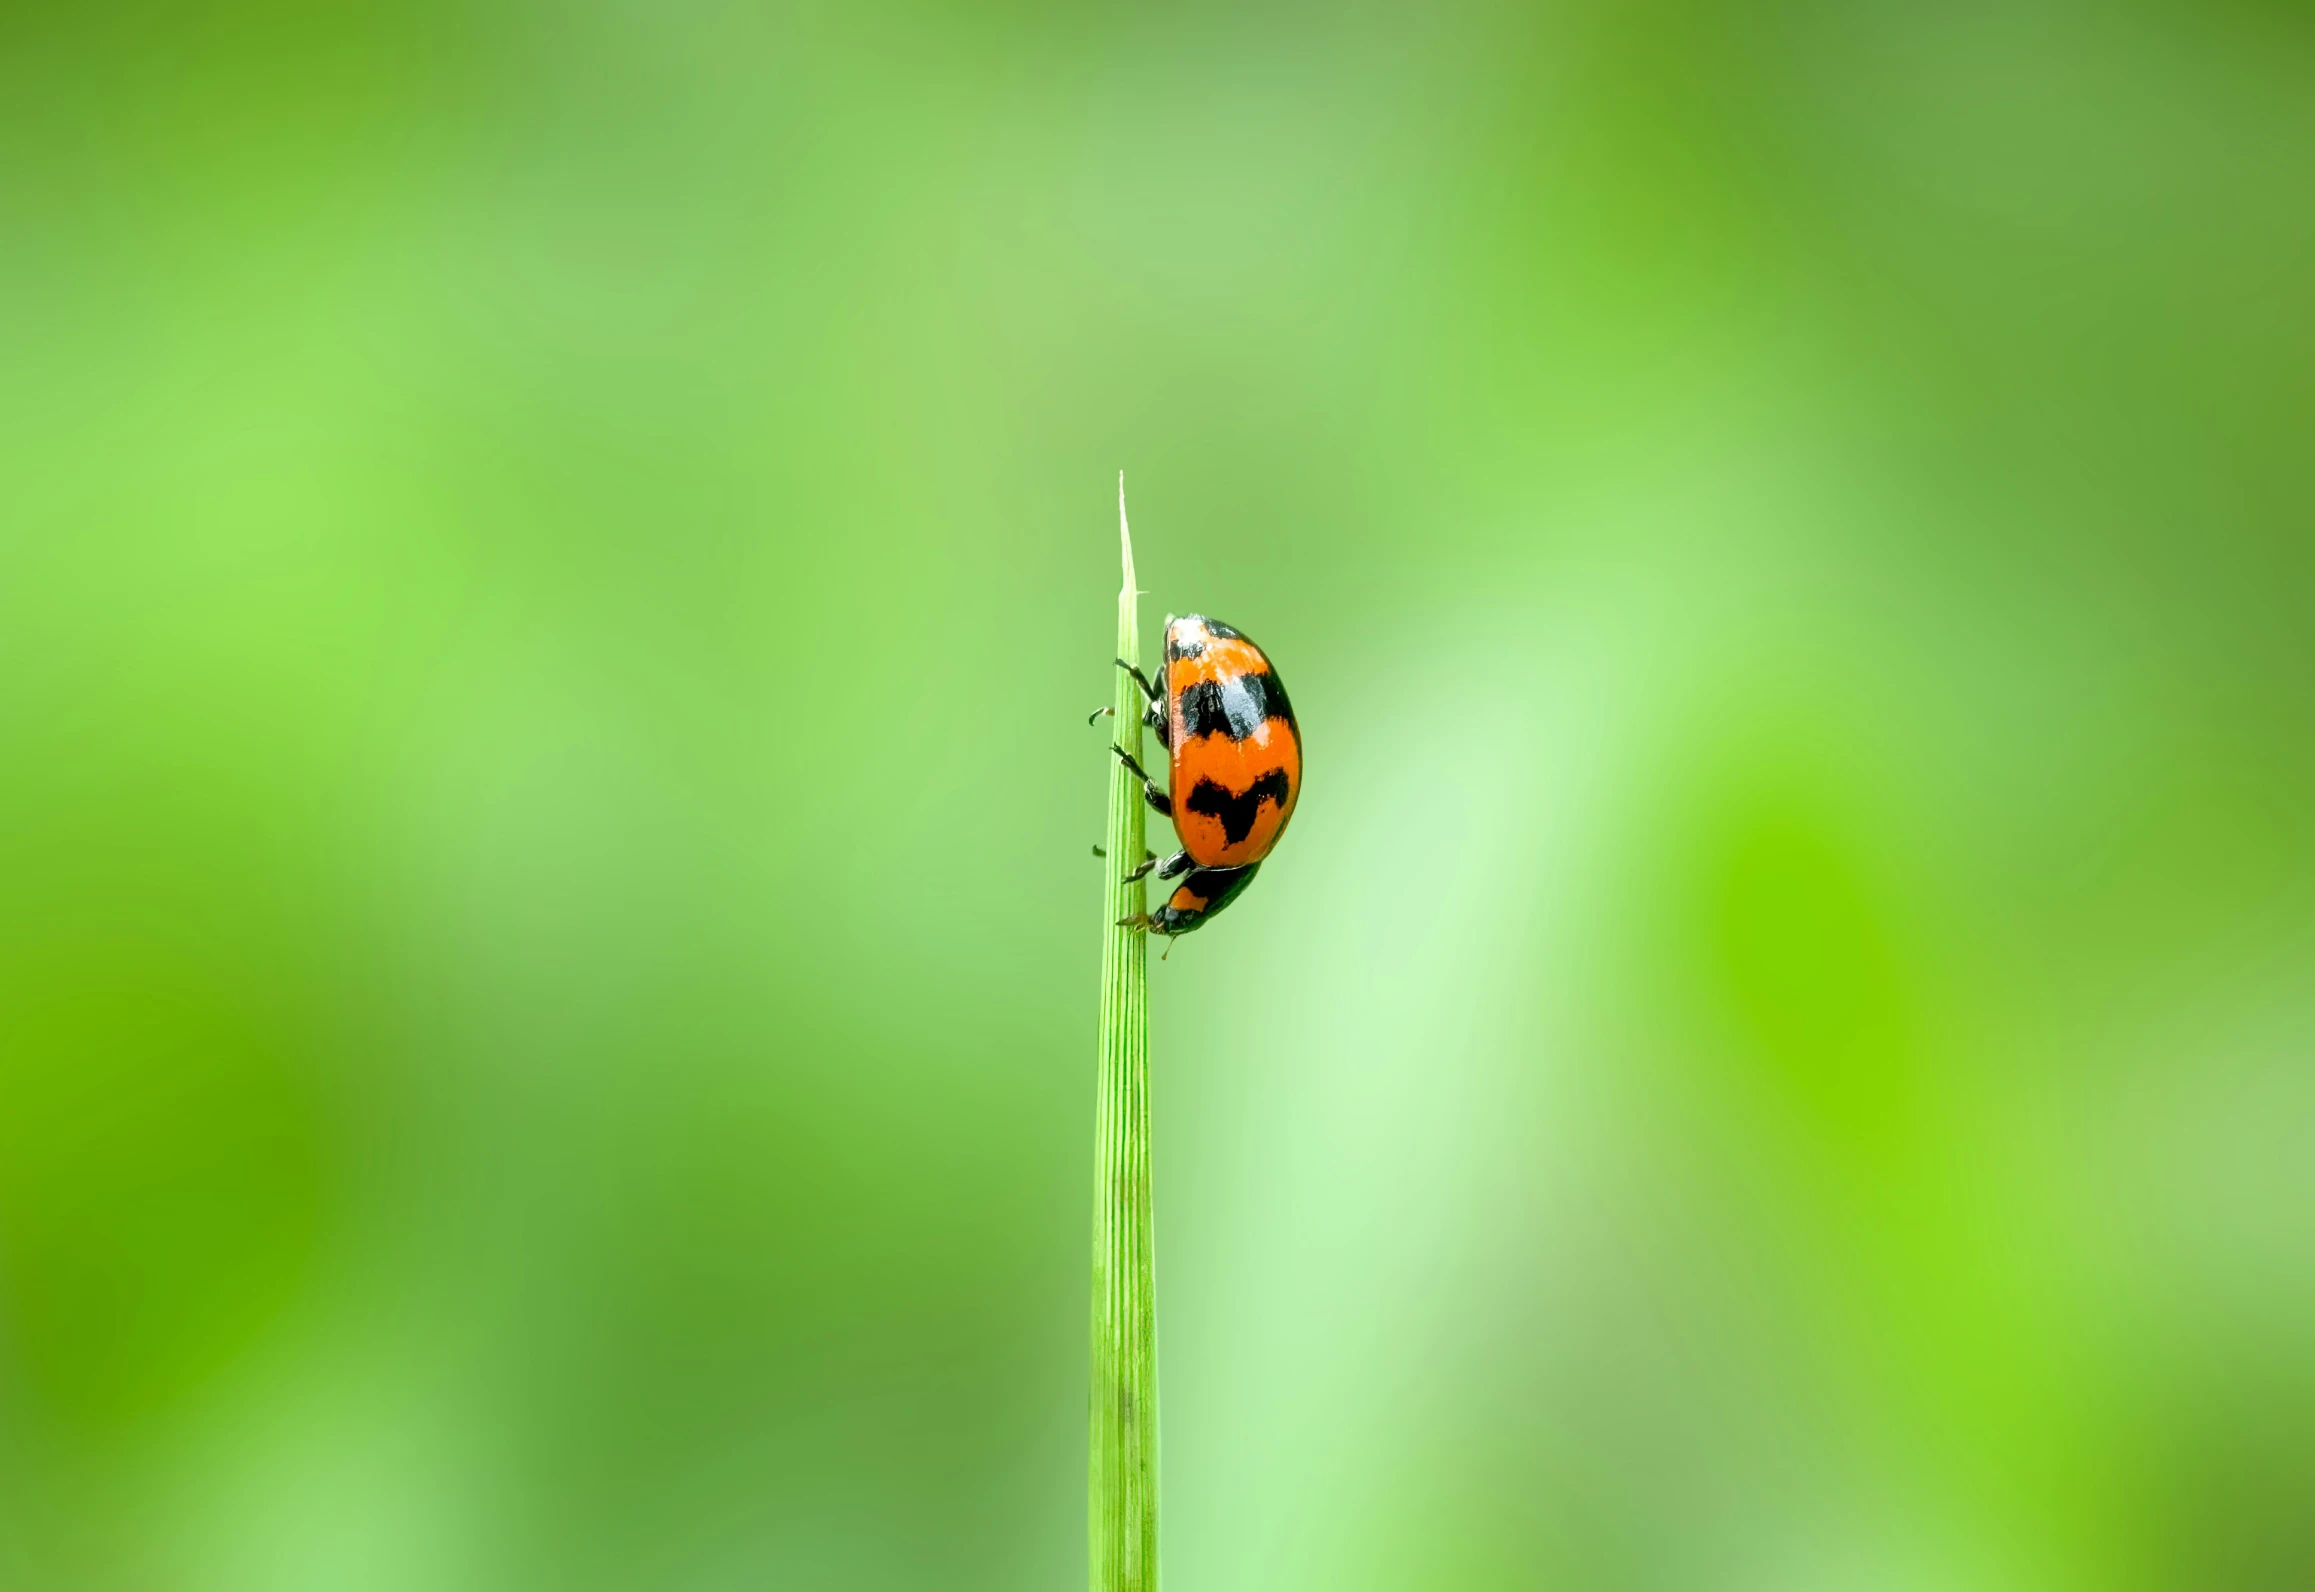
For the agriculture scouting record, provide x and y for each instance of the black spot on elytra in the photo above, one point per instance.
(1236, 811)
(1237, 706)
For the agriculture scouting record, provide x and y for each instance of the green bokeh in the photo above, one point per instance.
(552, 562)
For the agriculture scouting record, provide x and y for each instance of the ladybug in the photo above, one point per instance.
(1236, 754)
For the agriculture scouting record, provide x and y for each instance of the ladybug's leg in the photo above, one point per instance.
(1178, 863)
(1149, 856)
(1157, 799)
(1141, 680)
(1153, 716)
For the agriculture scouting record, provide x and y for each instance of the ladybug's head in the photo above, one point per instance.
(1188, 635)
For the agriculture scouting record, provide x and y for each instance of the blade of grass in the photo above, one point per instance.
(1122, 1466)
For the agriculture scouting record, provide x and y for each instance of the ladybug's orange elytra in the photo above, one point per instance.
(1236, 756)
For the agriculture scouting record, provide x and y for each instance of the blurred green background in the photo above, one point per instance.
(552, 564)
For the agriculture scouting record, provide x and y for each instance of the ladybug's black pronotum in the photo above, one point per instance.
(1237, 767)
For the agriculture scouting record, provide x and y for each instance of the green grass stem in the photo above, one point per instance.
(1122, 1465)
